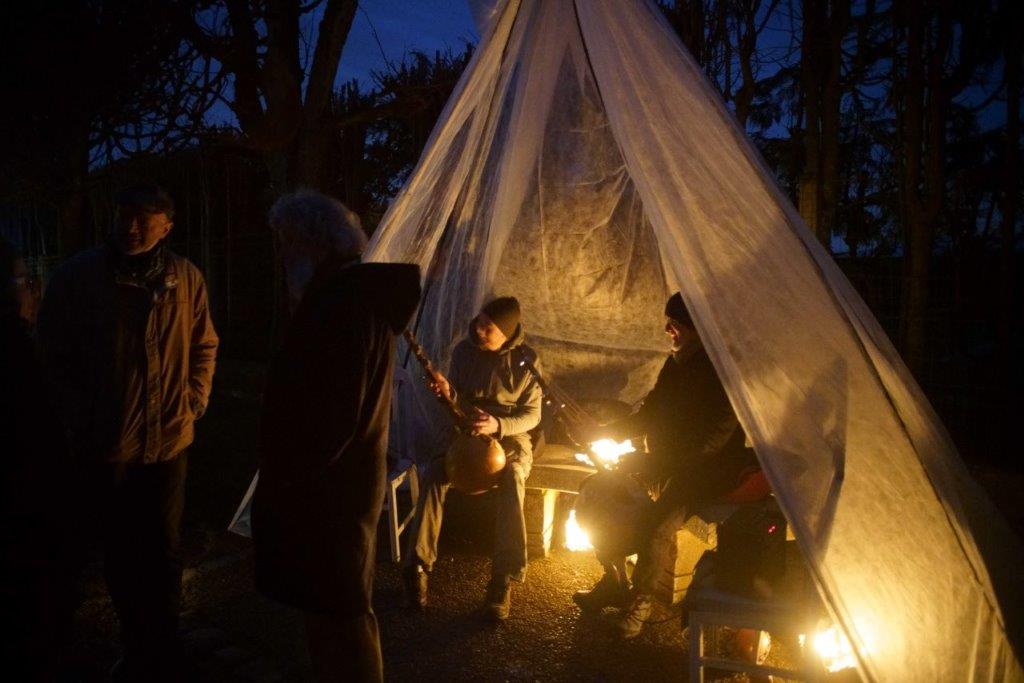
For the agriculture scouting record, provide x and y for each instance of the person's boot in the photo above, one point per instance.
(499, 598)
(414, 580)
(632, 621)
(610, 591)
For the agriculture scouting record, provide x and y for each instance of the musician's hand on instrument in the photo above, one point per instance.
(440, 386)
(484, 423)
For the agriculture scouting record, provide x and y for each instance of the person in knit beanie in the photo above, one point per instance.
(696, 453)
(675, 309)
(504, 313)
(491, 380)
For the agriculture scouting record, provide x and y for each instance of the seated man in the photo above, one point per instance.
(696, 453)
(490, 384)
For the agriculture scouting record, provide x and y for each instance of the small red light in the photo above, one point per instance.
(772, 528)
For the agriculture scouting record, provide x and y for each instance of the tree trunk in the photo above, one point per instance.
(746, 30)
(723, 28)
(76, 232)
(923, 189)
(310, 155)
(831, 101)
(916, 239)
(687, 18)
(1011, 184)
(309, 158)
(810, 85)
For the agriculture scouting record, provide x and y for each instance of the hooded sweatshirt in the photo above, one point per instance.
(498, 383)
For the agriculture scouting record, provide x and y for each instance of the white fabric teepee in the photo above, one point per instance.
(585, 165)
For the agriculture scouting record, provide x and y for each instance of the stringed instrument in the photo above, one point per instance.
(473, 461)
(576, 419)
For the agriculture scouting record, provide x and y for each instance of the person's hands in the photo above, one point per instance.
(484, 423)
(440, 386)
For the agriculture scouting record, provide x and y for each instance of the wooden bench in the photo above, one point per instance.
(679, 551)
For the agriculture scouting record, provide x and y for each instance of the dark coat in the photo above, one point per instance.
(132, 359)
(691, 429)
(324, 437)
(36, 568)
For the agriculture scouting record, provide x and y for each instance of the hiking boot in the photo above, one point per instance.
(608, 592)
(414, 579)
(631, 623)
(499, 598)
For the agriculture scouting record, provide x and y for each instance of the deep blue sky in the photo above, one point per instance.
(403, 26)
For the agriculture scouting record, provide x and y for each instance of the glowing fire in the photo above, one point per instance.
(835, 649)
(607, 452)
(575, 537)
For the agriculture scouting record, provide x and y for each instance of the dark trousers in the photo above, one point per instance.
(141, 531)
(509, 559)
(344, 649)
(678, 499)
(678, 496)
(38, 597)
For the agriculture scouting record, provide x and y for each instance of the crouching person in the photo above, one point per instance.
(696, 453)
(324, 432)
(489, 382)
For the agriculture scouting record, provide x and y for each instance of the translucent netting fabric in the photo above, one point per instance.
(584, 165)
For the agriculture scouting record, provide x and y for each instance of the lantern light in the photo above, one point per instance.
(833, 647)
(608, 451)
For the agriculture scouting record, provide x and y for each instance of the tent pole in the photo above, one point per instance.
(462, 195)
(586, 53)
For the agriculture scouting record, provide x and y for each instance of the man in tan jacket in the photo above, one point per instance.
(129, 344)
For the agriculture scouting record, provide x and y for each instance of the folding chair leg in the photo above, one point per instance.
(696, 650)
(392, 493)
(414, 484)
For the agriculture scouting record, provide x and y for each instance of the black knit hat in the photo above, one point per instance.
(504, 313)
(676, 309)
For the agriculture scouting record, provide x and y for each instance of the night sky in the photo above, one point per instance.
(403, 26)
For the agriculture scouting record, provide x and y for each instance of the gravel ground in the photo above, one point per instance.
(232, 633)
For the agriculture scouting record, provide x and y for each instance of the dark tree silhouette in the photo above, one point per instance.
(279, 95)
(89, 82)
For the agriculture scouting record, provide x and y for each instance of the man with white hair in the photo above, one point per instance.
(324, 431)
